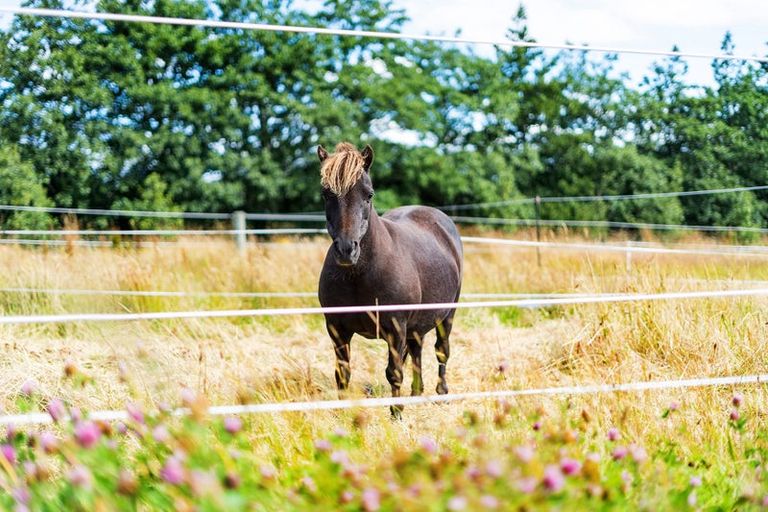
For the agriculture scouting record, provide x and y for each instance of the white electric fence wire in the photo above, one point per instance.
(473, 396)
(606, 224)
(159, 232)
(610, 197)
(382, 308)
(245, 295)
(363, 33)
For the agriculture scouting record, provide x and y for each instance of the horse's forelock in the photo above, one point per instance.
(340, 171)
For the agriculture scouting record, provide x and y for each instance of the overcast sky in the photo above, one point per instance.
(694, 25)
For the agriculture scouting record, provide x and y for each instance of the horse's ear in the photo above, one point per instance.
(367, 157)
(322, 154)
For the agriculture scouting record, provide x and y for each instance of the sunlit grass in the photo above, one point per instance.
(290, 359)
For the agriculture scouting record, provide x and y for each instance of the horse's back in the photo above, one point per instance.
(426, 222)
(433, 243)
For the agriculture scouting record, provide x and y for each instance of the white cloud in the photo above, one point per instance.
(693, 25)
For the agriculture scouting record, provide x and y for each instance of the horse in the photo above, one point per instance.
(410, 255)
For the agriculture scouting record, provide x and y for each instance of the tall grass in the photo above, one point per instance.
(290, 358)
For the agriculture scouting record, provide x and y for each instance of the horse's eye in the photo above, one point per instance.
(370, 195)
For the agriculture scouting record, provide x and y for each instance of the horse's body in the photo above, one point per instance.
(411, 255)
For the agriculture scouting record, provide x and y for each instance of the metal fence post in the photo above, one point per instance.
(238, 225)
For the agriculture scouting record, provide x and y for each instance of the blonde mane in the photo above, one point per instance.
(341, 170)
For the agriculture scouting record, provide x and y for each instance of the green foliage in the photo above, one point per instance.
(19, 185)
(129, 115)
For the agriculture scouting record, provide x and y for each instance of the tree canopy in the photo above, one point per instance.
(131, 115)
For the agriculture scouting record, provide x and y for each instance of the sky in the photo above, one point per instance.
(694, 25)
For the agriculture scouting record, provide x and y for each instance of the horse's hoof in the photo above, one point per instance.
(442, 389)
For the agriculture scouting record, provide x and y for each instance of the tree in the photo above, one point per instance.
(20, 186)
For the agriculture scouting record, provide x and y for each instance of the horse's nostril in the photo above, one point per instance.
(355, 244)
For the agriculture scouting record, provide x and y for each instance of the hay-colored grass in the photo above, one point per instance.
(290, 358)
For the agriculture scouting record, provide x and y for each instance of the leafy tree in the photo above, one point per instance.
(19, 185)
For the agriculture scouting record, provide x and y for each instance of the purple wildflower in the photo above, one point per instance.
(188, 397)
(537, 426)
(75, 414)
(8, 453)
(173, 471)
(673, 406)
(695, 481)
(160, 434)
(737, 399)
(735, 415)
(135, 413)
(692, 500)
(56, 409)
(309, 484)
(613, 434)
(371, 499)
(489, 502)
(267, 472)
(80, 476)
(233, 424)
(347, 496)
(28, 388)
(553, 478)
(570, 466)
(30, 470)
(428, 444)
(87, 434)
(340, 457)
(457, 503)
(473, 472)
(524, 453)
(22, 497)
(10, 432)
(619, 452)
(638, 453)
(202, 482)
(494, 468)
(323, 445)
(48, 442)
(527, 485)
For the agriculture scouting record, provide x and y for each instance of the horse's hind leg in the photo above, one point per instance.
(414, 349)
(443, 351)
(341, 340)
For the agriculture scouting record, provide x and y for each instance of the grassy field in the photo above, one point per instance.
(697, 448)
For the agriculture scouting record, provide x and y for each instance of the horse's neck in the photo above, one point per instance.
(376, 241)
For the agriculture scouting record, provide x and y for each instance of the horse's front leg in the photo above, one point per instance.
(396, 341)
(341, 339)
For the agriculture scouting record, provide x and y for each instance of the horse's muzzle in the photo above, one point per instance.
(346, 252)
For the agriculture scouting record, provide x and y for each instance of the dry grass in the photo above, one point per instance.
(291, 358)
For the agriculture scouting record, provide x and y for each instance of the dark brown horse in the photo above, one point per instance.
(411, 255)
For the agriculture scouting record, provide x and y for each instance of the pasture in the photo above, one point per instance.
(662, 449)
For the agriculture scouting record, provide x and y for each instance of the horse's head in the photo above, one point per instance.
(348, 195)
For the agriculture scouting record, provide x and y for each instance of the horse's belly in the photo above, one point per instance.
(363, 324)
